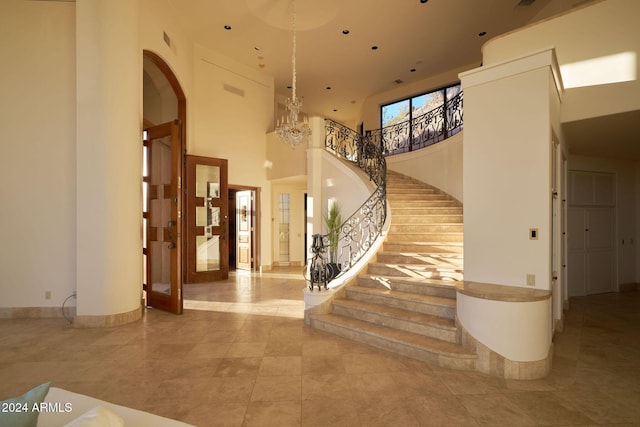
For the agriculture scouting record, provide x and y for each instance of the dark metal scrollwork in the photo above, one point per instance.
(422, 131)
(362, 228)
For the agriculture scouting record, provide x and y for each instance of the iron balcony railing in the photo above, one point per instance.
(339, 250)
(422, 131)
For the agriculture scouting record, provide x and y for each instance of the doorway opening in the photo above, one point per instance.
(163, 148)
(244, 233)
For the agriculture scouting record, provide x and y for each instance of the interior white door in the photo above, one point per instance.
(600, 250)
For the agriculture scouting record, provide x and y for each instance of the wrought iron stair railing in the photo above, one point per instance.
(422, 131)
(337, 252)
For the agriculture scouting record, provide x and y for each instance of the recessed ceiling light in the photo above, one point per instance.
(328, 87)
(345, 32)
(227, 27)
(335, 110)
(482, 33)
(413, 70)
(374, 47)
(423, 1)
(257, 48)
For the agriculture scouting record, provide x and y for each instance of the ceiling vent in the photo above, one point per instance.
(234, 90)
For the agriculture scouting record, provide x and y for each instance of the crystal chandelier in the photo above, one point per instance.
(289, 129)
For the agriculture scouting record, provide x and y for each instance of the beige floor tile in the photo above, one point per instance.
(281, 365)
(239, 367)
(326, 386)
(546, 409)
(277, 388)
(439, 410)
(262, 414)
(330, 412)
(243, 356)
(495, 410)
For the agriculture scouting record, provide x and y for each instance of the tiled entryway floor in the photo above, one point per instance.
(242, 356)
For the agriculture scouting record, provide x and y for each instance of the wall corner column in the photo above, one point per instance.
(108, 162)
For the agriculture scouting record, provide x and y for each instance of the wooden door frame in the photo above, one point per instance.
(192, 231)
(255, 244)
(162, 65)
(172, 232)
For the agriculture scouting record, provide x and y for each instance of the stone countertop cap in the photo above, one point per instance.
(501, 292)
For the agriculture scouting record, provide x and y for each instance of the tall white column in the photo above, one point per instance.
(108, 162)
(314, 176)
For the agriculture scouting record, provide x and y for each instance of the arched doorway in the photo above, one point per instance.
(164, 117)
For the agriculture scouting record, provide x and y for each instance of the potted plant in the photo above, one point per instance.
(333, 221)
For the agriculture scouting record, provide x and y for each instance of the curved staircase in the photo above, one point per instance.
(406, 301)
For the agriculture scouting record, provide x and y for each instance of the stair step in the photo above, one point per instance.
(422, 218)
(419, 247)
(443, 237)
(418, 323)
(432, 259)
(415, 270)
(411, 285)
(426, 304)
(422, 203)
(416, 195)
(405, 343)
(398, 212)
(426, 228)
(410, 189)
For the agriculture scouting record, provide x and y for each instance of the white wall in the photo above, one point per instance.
(627, 213)
(596, 30)
(154, 22)
(507, 172)
(37, 164)
(233, 124)
(108, 157)
(439, 165)
(284, 161)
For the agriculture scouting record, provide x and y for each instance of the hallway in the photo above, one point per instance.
(242, 356)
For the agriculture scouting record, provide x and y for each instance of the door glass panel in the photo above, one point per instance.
(208, 253)
(159, 219)
(208, 217)
(283, 227)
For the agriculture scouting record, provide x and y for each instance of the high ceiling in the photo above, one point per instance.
(336, 72)
(348, 50)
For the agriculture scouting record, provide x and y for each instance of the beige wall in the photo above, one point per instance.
(439, 165)
(507, 173)
(37, 164)
(231, 111)
(597, 30)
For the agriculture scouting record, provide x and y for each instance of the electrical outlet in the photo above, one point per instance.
(47, 295)
(531, 279)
